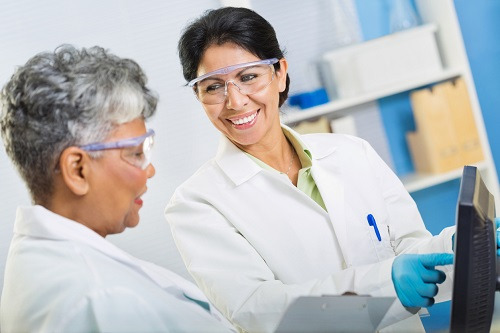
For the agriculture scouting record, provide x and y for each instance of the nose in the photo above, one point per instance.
(235, 99)
(150, 170)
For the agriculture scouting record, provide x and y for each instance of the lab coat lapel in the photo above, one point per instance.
(235, 163)
(331, 187)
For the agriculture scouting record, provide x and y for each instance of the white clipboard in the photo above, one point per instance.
(316, 314)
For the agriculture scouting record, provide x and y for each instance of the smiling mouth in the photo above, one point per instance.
(244, 120)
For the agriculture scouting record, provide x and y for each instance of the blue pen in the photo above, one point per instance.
(373, 223)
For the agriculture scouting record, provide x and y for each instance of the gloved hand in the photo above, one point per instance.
(497, 222)
(415, 277)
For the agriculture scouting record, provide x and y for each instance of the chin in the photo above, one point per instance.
(131, 222)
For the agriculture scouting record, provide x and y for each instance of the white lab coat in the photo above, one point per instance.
(63, 277)
(253, 242)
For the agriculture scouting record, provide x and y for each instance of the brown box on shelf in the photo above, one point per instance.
(463, 120)
(434, 146)
(320, 125)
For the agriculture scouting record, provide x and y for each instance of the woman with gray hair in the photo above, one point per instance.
(73, 123)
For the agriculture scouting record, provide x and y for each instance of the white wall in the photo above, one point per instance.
(146, 31)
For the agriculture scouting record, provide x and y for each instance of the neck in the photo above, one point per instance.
(277, 153)
(74, 207)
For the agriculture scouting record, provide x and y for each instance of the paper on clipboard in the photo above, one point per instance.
(334, 314)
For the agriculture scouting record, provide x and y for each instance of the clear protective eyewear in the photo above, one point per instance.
(136, 151)
(253, 76)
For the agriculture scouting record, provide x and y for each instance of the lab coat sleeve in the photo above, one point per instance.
(407, 227)
(112, 310)
(237, 280)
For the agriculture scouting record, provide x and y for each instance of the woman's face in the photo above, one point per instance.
(245, 119)
(117, 185)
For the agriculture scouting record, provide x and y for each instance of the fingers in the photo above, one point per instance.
(415, 277)
(432, 276)
(415, 299)
(428, 290)
(497, 223)
(421, 295)
(436, 259)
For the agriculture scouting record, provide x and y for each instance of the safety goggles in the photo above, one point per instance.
(250, 78)
(136, 151)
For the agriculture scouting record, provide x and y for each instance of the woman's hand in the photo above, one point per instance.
(415, 277)
(497, 223)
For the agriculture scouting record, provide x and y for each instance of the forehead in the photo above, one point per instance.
(220, 56)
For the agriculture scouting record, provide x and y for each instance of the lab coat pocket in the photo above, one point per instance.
(384, 246)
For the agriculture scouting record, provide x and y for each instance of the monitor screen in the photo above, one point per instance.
(475, 275)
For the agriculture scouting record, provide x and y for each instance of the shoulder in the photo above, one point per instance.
(332, 138)
(323, 143)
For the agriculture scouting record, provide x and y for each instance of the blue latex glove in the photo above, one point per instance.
(415, 277)
(497, 222)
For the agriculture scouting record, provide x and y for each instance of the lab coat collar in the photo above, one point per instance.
(317, 149)
(234, 162)
(240, 168)
(39, 222)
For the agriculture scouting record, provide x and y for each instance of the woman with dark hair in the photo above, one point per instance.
(276, 215)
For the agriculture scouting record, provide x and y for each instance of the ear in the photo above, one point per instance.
(281, 74)
(74, 166)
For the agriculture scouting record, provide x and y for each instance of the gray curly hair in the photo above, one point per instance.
(65, 98)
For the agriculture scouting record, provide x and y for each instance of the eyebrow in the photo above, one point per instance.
(215, 77)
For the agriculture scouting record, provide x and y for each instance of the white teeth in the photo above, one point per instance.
(244, 120)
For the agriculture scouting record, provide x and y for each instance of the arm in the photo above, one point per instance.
(411, 237)
(407, 227)
(238, 281)
(114, 310)
(119, 309)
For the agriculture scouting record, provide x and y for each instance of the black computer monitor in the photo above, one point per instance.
(475, 276)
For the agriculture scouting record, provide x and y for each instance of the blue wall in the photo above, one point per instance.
(480, 24)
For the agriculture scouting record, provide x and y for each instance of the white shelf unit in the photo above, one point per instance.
(345, 103)
(455, 64)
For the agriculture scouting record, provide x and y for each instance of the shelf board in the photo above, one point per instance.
(418, 181)
(344, 103)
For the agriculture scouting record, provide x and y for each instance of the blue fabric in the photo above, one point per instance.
(203, 304)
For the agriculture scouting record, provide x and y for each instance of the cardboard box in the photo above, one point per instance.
(463, 120)
(433, 146)
(320, 125)
(446, 136)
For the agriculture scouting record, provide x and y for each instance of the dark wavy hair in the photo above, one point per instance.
(240, 26)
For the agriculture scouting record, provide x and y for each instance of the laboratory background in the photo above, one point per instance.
(410, 55)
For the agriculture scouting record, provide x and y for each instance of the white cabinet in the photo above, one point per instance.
(455, 64)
